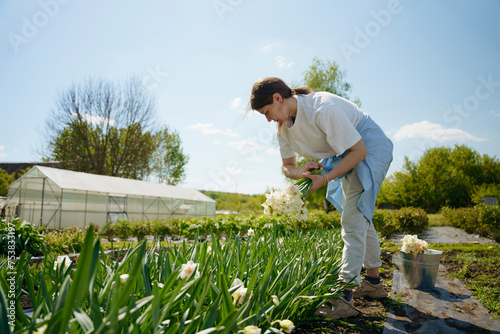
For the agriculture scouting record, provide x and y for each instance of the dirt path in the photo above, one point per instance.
(446, 235)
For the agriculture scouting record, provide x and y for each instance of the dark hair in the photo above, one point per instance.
(263, 90)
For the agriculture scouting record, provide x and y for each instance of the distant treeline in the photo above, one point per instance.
(242, 203)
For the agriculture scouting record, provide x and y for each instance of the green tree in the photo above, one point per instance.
(443, 176)
(85, 148)
(169, 159)
(325, 76)
(108, 128)
(5, 180)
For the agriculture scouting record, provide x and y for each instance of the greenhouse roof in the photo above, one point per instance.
(66, 179)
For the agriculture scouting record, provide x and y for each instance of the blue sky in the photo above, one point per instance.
(427, 71)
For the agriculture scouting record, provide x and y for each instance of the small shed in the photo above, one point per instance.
(60, 198)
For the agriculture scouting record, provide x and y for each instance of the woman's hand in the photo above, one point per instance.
(293, 172)
(317, 180)
(310, 166)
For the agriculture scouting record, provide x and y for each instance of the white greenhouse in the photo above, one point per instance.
(60, 198)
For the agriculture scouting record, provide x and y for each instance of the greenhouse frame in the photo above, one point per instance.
(60, 198)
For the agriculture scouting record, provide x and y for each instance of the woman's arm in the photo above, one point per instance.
(356, 154)
(291, 170)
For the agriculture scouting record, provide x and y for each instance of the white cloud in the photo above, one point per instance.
(235, 103)
(270, 47)
(244, 144)
(434, 131)
(281, 63)
(93, 119)
(267, 48)
(495, 113)
(2, 155)
(208, 129)
(272, 150)
(215, 142)
(231, 170)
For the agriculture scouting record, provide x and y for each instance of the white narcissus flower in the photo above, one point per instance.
(188, 269)
(41, 329)
(250, 232)
(287, 326)
(252, 330)
(60, 260)
(239, 295)
(124, 278)
(267, 209)
(275, 299)
(306, 298)
(301, 216)
(209, 250)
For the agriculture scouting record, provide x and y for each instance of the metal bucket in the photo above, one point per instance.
(420, 270)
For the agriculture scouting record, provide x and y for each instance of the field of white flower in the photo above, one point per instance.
(271, 281)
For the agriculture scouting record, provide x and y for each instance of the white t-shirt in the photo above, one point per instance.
(325, 126)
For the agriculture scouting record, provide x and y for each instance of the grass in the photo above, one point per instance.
(479, 271)
(436, 219)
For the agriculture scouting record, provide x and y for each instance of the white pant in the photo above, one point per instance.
(361, 245)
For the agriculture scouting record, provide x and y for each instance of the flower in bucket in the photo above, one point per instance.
(413, 245)
(187, 269)
(288, 201)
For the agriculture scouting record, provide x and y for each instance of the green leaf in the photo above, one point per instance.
(87, 264)
(4, 312)
(84, 320)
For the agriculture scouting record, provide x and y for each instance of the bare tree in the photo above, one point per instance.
(103, 127)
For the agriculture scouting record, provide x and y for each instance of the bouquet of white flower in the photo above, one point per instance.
(287, 201)
(413, 245)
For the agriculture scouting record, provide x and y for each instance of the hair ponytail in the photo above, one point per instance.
(302, 91)
(263, 90)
